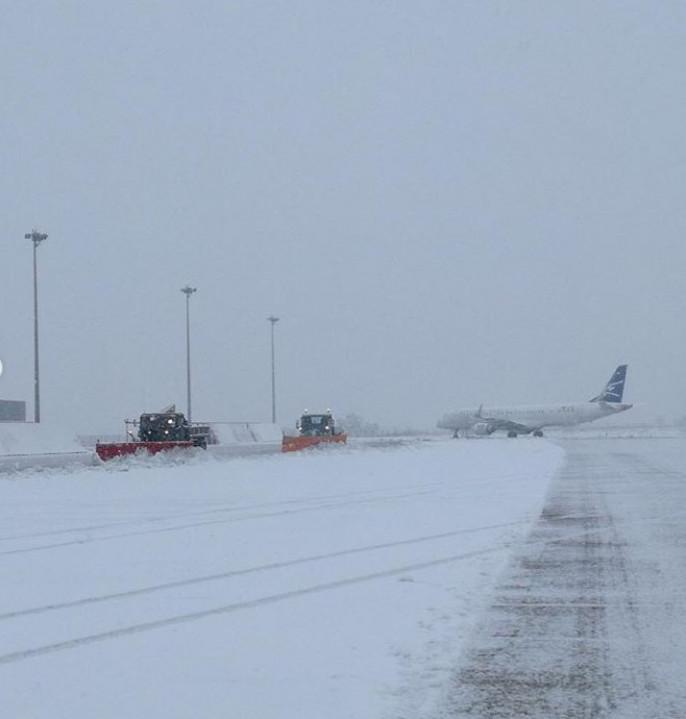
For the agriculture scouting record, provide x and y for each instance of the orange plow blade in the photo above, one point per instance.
(294, 444)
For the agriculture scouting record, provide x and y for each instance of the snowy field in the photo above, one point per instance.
(339, 584)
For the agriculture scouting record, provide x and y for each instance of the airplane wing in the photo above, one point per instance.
(489, 425)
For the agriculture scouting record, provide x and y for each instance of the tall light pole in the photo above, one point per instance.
(35, 237)
(188, 291)
(273, 321)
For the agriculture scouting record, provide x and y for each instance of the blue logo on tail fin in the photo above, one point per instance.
(614, 389)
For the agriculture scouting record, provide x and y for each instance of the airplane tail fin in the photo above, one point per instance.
(614, 389)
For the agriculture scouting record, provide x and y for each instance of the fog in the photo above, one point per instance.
(445, 203)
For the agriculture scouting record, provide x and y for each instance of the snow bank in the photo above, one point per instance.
(25, 444)
(30, 438)
(246, 432)
(245, 438)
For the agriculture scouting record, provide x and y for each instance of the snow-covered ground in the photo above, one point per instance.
(603, 432)
(340, 583)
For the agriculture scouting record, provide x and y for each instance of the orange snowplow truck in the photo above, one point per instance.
(314, 429)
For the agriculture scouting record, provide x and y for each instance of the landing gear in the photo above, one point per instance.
(511, 433)
(538, 433)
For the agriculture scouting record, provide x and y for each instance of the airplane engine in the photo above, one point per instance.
(483, 428)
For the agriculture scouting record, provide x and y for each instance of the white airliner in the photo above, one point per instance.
(526, 420)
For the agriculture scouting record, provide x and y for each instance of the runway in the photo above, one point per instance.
(587, 620)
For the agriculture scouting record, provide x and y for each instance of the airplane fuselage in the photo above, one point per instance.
(530, 417)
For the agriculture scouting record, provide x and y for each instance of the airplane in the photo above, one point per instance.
(532, 420)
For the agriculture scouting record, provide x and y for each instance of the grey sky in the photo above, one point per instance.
(447, 203)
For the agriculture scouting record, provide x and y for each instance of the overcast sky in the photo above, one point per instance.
(447, 203)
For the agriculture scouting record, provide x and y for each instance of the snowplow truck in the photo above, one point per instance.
(158, 432)
(314, 429)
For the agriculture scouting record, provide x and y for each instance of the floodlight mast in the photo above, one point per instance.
(36, 238)
(273, 320)
(188, 291)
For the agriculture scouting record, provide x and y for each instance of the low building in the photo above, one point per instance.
(12, 410)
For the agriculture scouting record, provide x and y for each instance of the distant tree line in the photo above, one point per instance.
(357, 426)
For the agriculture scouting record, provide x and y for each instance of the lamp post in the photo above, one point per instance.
(35, 237)
(188, 291)
(273, 320)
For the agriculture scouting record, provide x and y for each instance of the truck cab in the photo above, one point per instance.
(316, 425)
(163, 427)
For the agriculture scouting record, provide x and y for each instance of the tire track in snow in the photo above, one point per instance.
(252, 570)
(192, 525)
(237, 606)
(232, 508)
(215, 510)
(269, 599)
